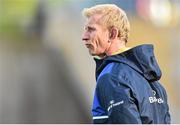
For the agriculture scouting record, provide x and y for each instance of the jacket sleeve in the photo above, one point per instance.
(116, 98)
(167, 119)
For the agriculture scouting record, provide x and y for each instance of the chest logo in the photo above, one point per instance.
(154, 99)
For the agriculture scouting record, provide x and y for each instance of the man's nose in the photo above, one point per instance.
(85, 36)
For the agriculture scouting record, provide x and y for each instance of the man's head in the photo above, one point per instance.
(107, 26)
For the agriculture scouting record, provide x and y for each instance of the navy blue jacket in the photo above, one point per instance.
(128, 90)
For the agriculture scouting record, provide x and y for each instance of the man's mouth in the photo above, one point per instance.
(88, 45)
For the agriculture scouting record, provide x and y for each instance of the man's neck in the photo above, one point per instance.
(116, 47)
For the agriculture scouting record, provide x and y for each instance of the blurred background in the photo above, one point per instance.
(47, 74)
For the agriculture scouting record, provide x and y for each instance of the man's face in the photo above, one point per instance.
(96, 36)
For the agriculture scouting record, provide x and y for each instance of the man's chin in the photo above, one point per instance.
(98, 55)
(92, 54)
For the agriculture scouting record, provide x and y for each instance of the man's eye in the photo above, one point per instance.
(90, 29)
(93, 29)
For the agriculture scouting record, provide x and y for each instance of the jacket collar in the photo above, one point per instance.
(140, 58)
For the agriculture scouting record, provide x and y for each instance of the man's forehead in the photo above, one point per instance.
(90, 24)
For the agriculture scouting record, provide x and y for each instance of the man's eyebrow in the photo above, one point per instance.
(89, 27)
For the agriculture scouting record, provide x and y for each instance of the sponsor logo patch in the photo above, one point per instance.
(113, 104)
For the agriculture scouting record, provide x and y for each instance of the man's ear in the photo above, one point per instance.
(113, 33)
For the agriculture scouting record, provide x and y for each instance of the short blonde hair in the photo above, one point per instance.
(112, 16)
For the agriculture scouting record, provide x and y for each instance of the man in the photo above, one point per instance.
(127, 89)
